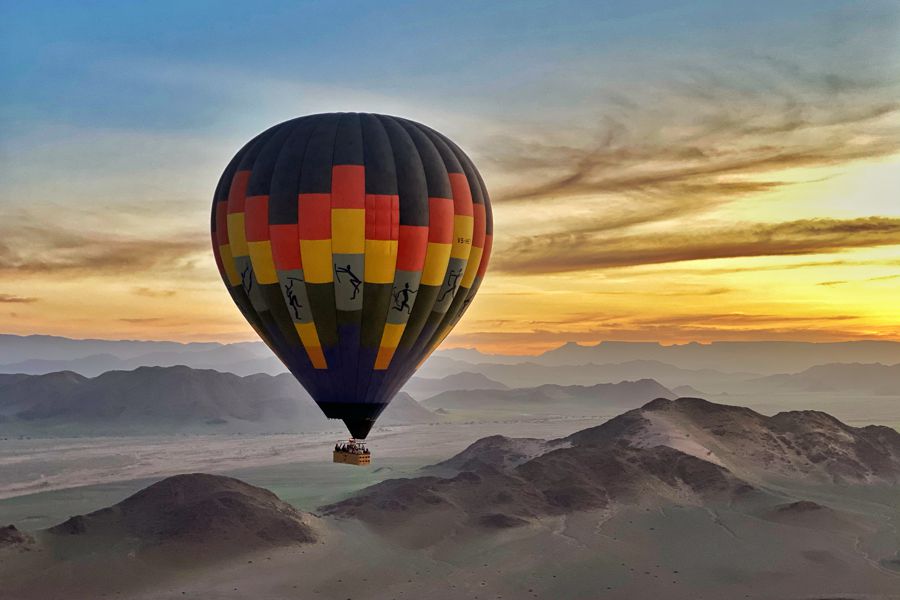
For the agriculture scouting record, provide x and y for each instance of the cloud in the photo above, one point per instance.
(685, 149)
(153, 292)
(697, 328)
(786, 266)
(843, 281)
(712, 134)
(30, 249)
(12, 299)
(141, 320)
(559, 252)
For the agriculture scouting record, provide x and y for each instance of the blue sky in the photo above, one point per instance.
(125, 64)
(613, 137)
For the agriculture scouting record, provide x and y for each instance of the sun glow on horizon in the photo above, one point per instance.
(732, 178)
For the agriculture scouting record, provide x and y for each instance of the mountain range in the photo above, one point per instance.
(685, 452)
(797, 505)
(37, 354)
(550, 399)
(165, 399)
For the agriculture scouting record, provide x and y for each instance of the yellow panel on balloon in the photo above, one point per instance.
(381, 261)
(472, 267)
(316, 258)
(348, 230)
(462, 235)
(236, 237)
(263, 264)
(228, 264)
(437, 256)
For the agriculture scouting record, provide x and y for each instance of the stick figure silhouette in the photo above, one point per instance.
(354, 280)
(293, 301)
(401, 298)
(452, 280)
(247, 278)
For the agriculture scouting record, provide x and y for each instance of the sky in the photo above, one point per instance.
(666, 171)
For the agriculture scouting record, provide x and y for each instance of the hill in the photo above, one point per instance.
(875, 379)
(809, 445)
(195, 515)
(424, 387)
(572, 400)
(531, 373)
(177, 398)
(713, 363)
(757, 357)
(673, 452)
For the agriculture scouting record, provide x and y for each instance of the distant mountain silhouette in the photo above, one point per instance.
(720, 361)
(422, 387)
(530, 373)
(596, 399)
(240, 359)
(687, 390)
(758, 357)
(173, 398)
(685, 451)
(876, 379)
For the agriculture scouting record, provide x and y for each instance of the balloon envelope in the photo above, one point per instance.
(352, 243)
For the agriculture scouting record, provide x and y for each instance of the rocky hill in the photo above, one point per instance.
(808, 444)
(195, 512)
(684, 452)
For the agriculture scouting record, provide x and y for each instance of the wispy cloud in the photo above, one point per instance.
(13, 299)
(560, 252)
(703, 141)
(709, 128)
(42, 250)
(153, 293)
(844, 281)
(694, 329)
(141, 320)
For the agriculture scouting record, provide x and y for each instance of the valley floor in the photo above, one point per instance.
(673, 553)
(99, 471)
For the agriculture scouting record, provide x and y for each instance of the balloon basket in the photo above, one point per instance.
(352, 452)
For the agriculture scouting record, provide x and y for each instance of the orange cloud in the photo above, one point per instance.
(559, 252)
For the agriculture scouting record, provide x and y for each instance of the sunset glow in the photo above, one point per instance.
(747, 189)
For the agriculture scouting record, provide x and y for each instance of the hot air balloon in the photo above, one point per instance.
(352, 244)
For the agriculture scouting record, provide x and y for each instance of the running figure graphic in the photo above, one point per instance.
(354, 280)
(401, 298)
(293, 302)
(247, 278)
(452, 282)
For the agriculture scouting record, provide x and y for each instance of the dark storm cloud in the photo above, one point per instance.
(558, 252)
